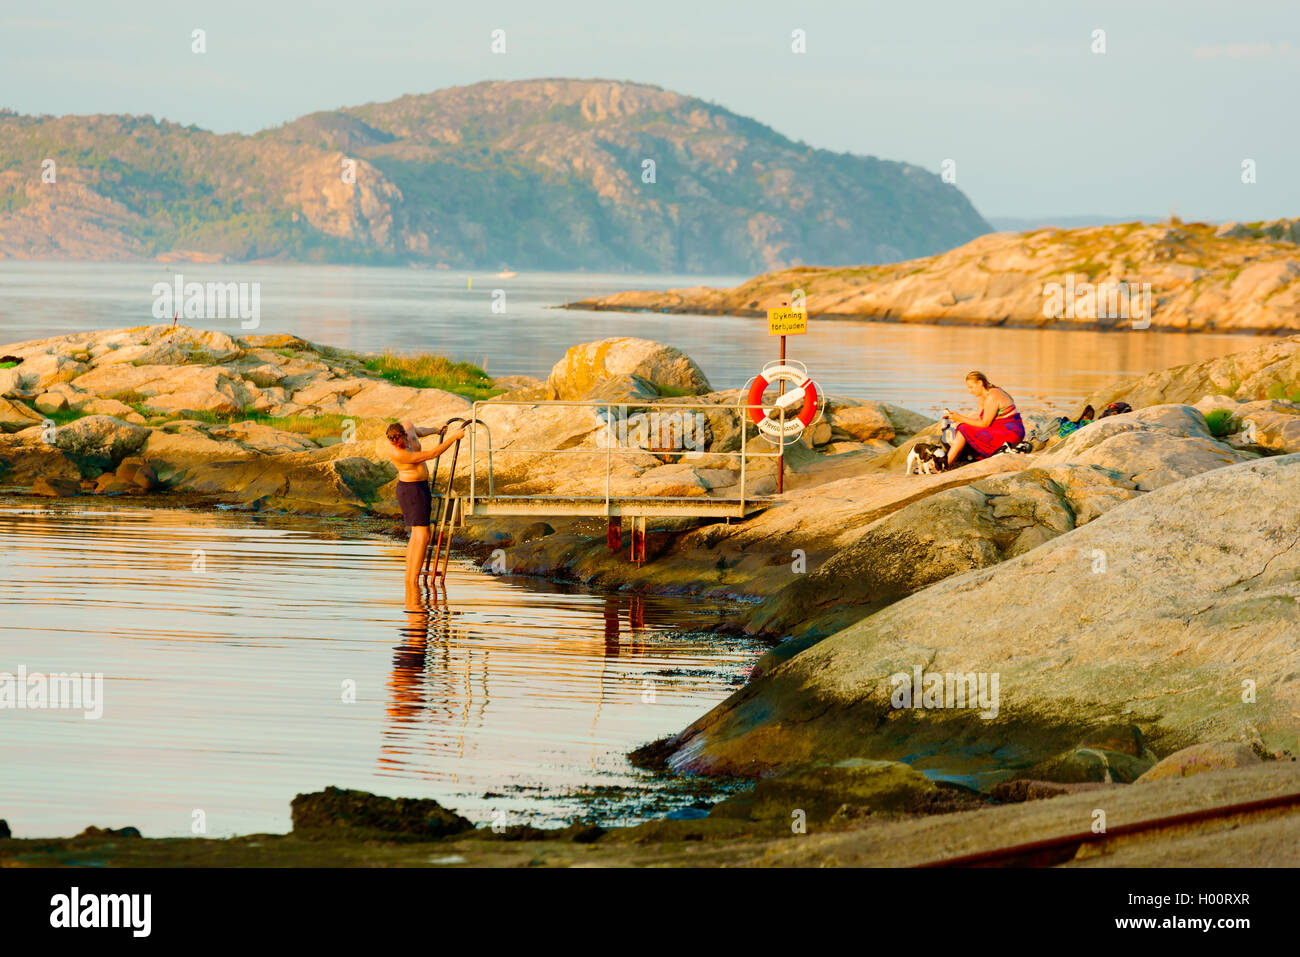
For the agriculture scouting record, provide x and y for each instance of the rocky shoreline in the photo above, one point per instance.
(1184, 277)
(1135, 586)
(1231, 824)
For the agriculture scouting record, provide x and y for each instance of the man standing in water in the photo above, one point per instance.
(413, 495)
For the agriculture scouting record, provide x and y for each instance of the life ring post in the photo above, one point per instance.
(780, 459)
(794, 412)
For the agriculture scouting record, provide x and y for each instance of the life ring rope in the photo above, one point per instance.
(779, 430)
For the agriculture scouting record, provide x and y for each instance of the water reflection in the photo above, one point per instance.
(441, 679)
(286, 665)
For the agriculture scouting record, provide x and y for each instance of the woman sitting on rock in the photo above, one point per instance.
(997, 425)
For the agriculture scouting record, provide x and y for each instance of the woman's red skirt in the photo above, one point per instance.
(1000, 432)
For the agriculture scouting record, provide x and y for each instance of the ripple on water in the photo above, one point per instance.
(249, 658)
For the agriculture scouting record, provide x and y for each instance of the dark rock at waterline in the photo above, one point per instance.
(535, 531)
(653, 756)
(56, 487)
(137, 472)
(516, 832)
(579, 832)
(336, 812)
(122, 832)
(110, 484)
(1018, 791)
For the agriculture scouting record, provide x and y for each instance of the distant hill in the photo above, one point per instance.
(536, 174)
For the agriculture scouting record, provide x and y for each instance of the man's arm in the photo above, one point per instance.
(443, 446)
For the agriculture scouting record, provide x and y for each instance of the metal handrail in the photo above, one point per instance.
(612, 448)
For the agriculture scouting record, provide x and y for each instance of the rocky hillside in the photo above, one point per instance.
(1235, 277)
(537, 174)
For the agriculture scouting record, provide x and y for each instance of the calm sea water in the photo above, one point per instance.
(226, 687)
(373, 309)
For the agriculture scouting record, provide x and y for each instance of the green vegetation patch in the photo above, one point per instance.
(1279, 391)
(427, 371)
(63, 416)
(1221, 422)
(317, 427)
(314, 427)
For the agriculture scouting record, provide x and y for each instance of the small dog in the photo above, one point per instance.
(926, 460)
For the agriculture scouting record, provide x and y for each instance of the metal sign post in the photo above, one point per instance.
(780, 459)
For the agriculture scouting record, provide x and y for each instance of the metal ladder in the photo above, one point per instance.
(449, 506)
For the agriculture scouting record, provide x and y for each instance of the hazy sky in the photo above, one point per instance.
(1036, 123)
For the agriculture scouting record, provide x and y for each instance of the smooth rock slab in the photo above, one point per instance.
(1151, 447)
(861, 423)
(1199, 758)
(14, 416)
(1196, 589)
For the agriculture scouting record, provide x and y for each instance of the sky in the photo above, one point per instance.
(1034, 121)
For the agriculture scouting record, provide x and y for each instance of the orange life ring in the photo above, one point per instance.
(760, 385)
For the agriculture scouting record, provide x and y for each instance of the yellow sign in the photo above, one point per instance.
(786, 322)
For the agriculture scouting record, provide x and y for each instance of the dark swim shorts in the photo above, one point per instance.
(415, 501)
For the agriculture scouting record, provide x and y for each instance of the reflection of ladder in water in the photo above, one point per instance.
(454, 509)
